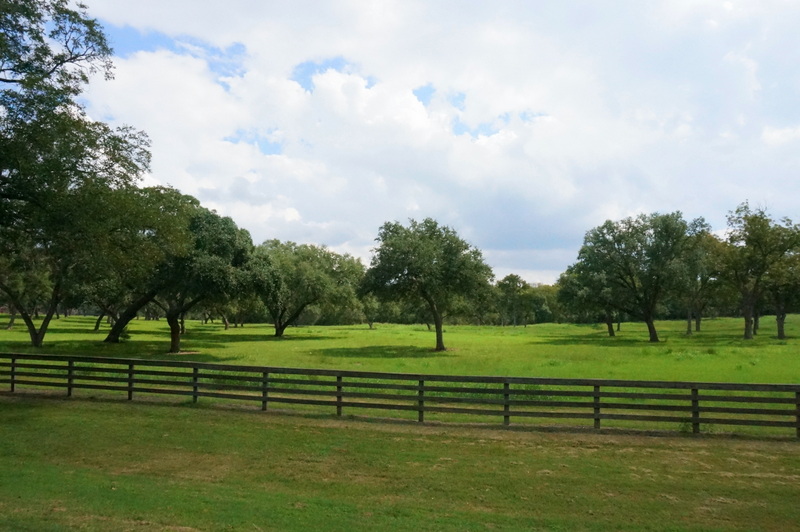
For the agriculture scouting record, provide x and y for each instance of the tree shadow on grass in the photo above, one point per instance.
(140, 350)
(635, 340)
(382, 351)
(220, 337)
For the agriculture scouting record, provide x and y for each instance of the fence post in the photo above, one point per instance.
(70, 374)
(264, 389)
(421, 401)
(506, 404)
(695, 412)
(130, 382)
(597, 407)
(797, 419)
(13, 373)
(338, 395)
(195, 380)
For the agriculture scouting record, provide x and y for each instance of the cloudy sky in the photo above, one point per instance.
(521, 124)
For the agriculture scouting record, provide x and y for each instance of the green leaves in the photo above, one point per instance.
(631, 264)
(428, 262)
(292, 277)
(50, 43)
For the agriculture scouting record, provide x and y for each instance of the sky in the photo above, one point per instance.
(520, 124)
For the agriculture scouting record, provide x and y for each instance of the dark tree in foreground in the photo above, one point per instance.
(427, 262)
(59, 170)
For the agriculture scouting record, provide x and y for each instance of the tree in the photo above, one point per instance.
(72, 243)
(697, 272)
(588, 294)
(755, 245)
(297, 276)
(639, 258)
(429, 263)
(782, 284)
(164, 235)
(511, 292)
(58, 168)
(206, 273)
(49, 44)
(544, 303)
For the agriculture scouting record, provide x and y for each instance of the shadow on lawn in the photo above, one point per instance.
(140, 350)
(382, 351)
(667, 339)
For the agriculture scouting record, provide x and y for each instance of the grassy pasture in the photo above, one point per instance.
(549, 350)
(112, 465)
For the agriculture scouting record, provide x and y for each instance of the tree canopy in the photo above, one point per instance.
(59, 170)
(756, 245)
(297, 276)
(638, 260)
(428, 262)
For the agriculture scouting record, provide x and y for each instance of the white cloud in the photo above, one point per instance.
(545, 118)
(778, 136)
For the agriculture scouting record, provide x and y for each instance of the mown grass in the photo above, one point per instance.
(717, 353)
(97, 465)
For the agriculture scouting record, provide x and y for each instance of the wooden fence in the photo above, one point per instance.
(593, 402)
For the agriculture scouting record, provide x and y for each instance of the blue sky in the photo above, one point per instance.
(520, 124)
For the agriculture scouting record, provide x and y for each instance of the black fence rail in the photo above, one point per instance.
(597, 403)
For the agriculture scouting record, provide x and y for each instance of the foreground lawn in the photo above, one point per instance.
(549, 350)
(97, 465)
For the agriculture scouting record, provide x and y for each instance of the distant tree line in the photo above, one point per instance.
(661, 266)
(77, 232)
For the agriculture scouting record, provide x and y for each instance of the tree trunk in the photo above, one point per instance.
(99, 321)
(173, 319)
(37, 335)
(756, 322)
(226, 322)
(12, 319)
(697, 320)
(651, 328)
(437, 321)
(747, 312)
(183, 322)
(610, 324)
(127, 315)
(780, 319)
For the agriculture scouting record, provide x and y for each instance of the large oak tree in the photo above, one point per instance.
(756, 246)
(293, 277)
(639, 261)
(426, 262)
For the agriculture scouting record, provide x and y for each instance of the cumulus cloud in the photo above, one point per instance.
(521, 125)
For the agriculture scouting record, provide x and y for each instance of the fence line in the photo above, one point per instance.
(620, 403)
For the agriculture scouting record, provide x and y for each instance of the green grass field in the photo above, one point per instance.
(549, 350)
(97, 465)
(107, 464)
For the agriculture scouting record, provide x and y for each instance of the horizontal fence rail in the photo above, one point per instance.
(620, 403)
